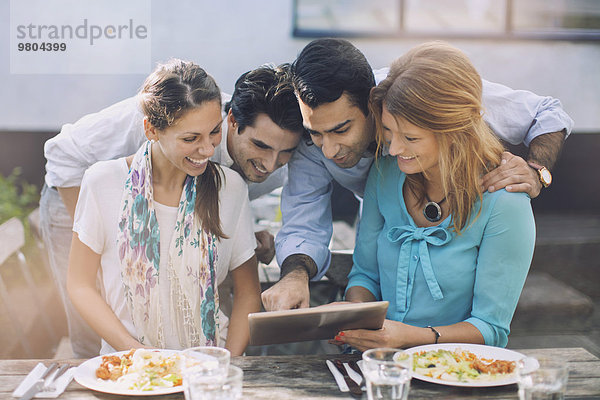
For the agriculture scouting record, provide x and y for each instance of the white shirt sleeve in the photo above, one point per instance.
(116, 131)
(88, 223)
(236, 220)
(518, 116)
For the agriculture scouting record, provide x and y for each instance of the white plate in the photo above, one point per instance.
(479, 350)
(85, 375)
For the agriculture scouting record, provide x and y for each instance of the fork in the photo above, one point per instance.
(50, 385)
(47, 381)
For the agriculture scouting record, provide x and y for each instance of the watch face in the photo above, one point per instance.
(546, 176)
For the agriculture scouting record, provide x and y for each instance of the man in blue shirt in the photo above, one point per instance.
(332, 79)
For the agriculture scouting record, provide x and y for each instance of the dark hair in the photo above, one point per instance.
(173, 89)
(266, 90)
(327, 68)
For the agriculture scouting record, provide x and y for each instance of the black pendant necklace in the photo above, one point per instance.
(432, 210)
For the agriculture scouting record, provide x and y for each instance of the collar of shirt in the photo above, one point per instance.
(221, 155)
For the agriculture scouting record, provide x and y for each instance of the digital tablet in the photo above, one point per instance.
(316, 323)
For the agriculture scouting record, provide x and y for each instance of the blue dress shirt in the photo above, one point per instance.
(431, 275)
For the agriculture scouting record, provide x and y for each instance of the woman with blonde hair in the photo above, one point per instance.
(165, 226)
(450, 258)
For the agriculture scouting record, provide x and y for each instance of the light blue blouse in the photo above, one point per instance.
(431, 275)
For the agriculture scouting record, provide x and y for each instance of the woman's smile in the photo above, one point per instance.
(198, 163)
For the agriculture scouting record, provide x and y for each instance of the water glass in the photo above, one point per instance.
(205, 366)
(229, 388)
(542, 379)
(387, 372)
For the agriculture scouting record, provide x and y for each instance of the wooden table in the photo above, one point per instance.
(307, 377)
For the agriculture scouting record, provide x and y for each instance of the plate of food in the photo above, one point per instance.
(140, 372)
(462, 364)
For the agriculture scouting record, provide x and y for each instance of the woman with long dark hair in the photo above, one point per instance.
(165, 226)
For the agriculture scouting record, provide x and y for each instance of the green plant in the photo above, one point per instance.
(17, 197)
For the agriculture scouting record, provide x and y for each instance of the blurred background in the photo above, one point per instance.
(550, 47)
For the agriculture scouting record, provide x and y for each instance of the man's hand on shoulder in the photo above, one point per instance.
(265, 246)
(290, 292)
(515, 175)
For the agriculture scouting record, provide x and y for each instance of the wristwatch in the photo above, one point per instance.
(543, 173)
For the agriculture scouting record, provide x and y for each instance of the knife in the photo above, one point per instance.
(353, 386)
(354, 365)
(41, 383)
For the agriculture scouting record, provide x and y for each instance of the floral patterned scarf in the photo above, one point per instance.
(194, 300)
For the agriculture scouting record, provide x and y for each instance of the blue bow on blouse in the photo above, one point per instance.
(434, 235)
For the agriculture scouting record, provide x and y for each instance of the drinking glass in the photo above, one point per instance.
(387, 372)
(205, 367)
(542, 379)
(229, 388)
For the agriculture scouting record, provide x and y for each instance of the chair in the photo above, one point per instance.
(12, 239)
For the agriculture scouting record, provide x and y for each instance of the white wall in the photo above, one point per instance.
(230, 37)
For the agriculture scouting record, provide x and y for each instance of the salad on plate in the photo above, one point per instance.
(460, 366)
(142, 370)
